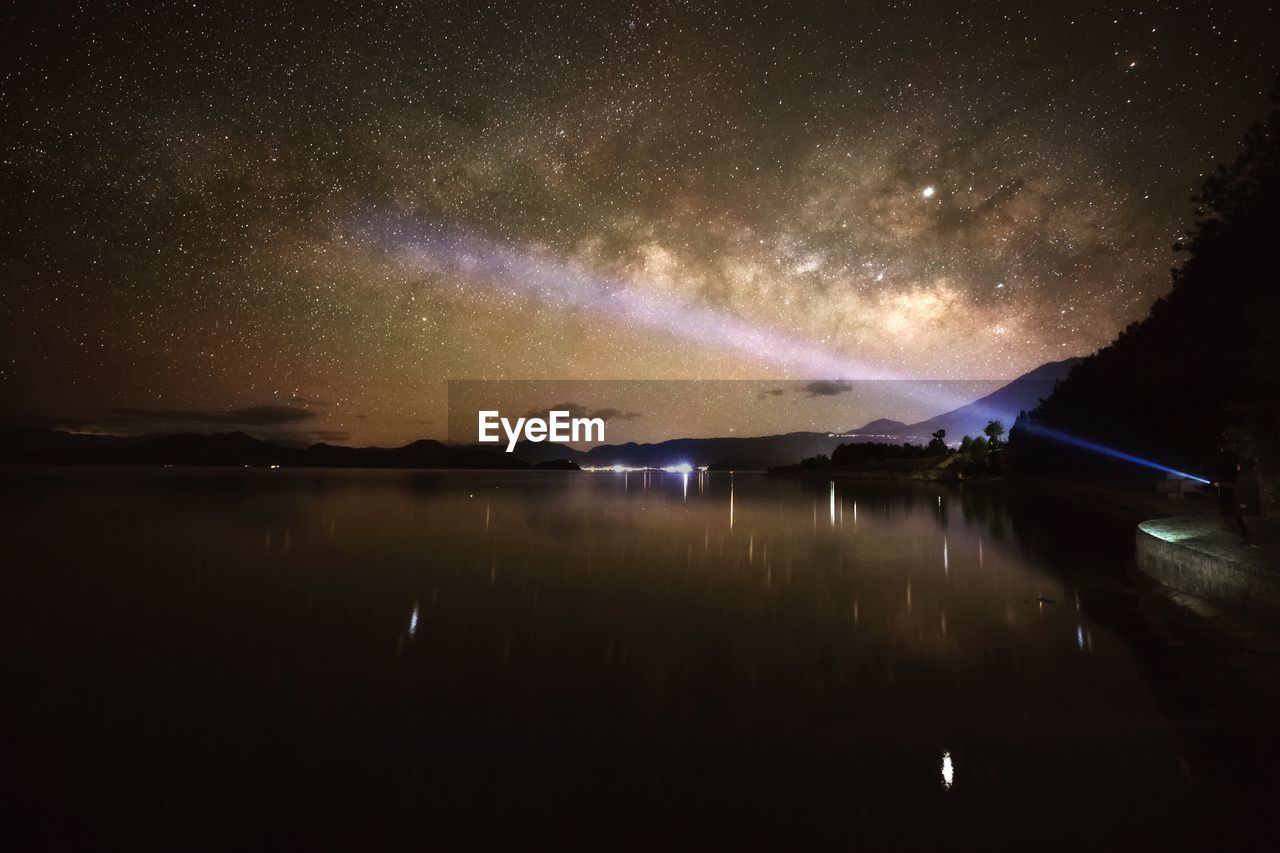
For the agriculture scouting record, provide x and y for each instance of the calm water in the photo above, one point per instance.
(361, 659)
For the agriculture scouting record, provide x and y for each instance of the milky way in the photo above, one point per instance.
(912, 189)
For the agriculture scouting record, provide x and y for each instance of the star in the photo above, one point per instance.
(191, 231)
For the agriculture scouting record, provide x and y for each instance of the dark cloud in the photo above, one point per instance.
(826, 387)
(328, 435)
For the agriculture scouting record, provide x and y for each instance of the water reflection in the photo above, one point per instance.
(582, 639)
(731, 502)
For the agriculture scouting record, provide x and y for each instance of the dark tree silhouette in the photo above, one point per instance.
(939, 442)
(1204, 367)
(993, 431)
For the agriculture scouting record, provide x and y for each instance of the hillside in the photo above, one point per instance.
(1021, 395)
(1201, 373)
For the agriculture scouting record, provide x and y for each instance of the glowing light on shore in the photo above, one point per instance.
(682, 468)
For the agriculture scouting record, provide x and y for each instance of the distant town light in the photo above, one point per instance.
(619, 468)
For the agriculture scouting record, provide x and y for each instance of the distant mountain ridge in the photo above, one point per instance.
(1004, 404)
(880, 426)
(20, 445)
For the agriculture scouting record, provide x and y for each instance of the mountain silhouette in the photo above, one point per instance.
(19, 445)
(879, 427)
(1004, 404)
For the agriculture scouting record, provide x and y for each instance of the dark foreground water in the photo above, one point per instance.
(362, 660)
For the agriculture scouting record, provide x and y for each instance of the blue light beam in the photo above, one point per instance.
(1093, 446)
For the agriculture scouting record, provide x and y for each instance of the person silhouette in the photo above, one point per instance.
(1225, 480)
(1248, 500)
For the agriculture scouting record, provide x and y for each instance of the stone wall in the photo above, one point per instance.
(1197, 556)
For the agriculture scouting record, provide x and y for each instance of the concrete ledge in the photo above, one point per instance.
(1199, 557)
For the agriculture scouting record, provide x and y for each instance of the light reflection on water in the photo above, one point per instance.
(716, 631)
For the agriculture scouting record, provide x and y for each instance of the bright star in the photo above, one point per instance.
(928, 192)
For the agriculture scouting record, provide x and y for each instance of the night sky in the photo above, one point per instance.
(304, 221)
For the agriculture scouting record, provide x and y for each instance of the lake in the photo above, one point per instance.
(370, 659)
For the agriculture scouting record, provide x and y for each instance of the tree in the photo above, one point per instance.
(977, 458)
(993, 430)
(939, 442)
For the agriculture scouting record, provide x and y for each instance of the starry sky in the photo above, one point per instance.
(303, 220)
